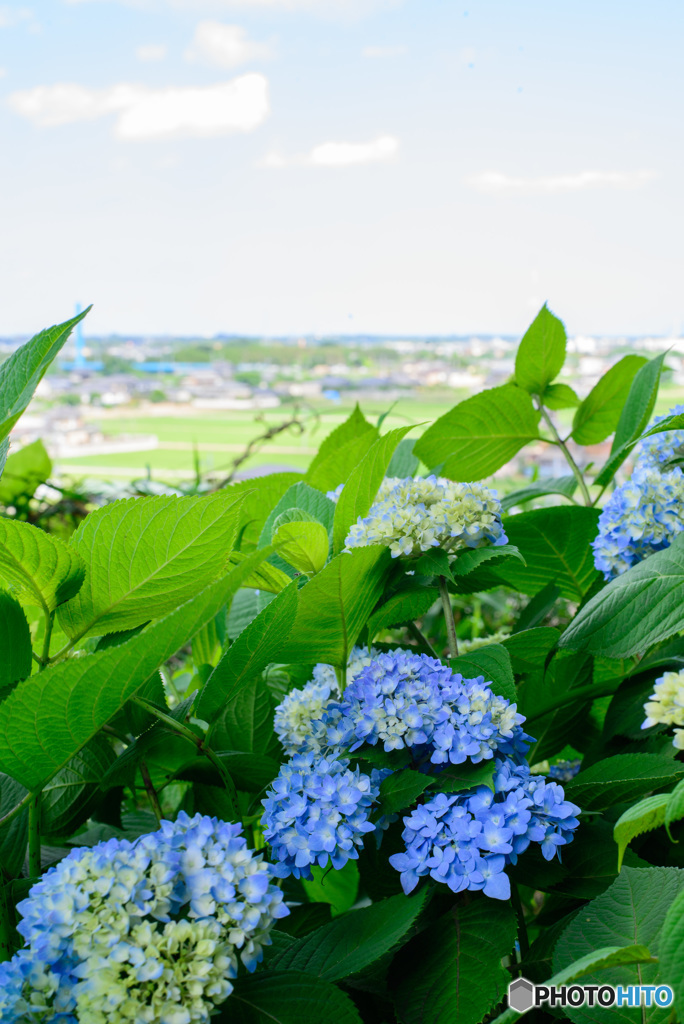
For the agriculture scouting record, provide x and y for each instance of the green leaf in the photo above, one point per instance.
(341, 452)
(541, 352)
(246, 721)
(68, 798)
(598, 415)
(642, 817)
(407, 604)
(302, 545)
(538, 607)
(301, 496)
(207, 645)
(334, 606)
(469, 560)
(23, 371)
(265, 577)
(147, 555)
(15, 643)
(634, 611)
(24, 471)
(260, 494)
(399, 790)
(620, 778)
(481, 434)
(403, 462)
(37, 567)
(456, 778)
(530, 648)
(13, 835)
(492, 662)
(674, 810)
(4, 449)
(630, 913)
(363, 484)
(563, 485)
(635, 415)
(452, 973)
(353, 941)
(434, 562)
(560, 396)
(338, 888)
(250, 653)
(555, 543)
(670, 951)
(49, 717)
(287, 997)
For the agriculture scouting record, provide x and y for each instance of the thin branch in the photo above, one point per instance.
(448, 616)
(152, 794)
(576, 471)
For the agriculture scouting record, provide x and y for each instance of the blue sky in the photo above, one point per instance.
(311, 166)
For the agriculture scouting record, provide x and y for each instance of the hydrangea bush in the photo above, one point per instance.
(363, 743)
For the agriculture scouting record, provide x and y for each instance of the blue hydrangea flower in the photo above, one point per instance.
(317, 812)
(148, 931)
(660, 450)
(466, 839)
(642, 516)
(415, 514)
(410, 700)
(564, 771)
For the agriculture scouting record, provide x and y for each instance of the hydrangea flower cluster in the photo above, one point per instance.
(564, 771)
(415, 514)
(660, 450)
(296, 712)
(666, 705)
(147, 931)
(317, 811)
(466, 839)
(641, 517)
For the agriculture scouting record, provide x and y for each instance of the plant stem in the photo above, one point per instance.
(577, 472)
(341, 676)
(448, 616)
(152, 794)
(592, 691)
(523, 938)
(421, 639)
(34, 834)
(45, 656)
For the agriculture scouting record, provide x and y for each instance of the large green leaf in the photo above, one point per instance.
(341, 452)
(24, 471)
(492, 662)
(37, 567)
(671, 947)
(300, 496)
(14, 834)
(407, 604)
(335, 605)
(68, 797)
(352, 941)
(49, 717)
(287, 997)
(23, 371)
(642, 817)
(563, 485)
(631, 912)
(481, 434)
(620, 778)
(15, 644)
(530, 648)
(246, 722)
(4, 449)
(598, 415)
(145, 556)
(555, 543)
(337, 888)
(363, 484)
(634, 611)
(452, 973)
(249, 654)
(260, 494)
(541, 352)
(303, 545)
(635, 414)
(400, 789)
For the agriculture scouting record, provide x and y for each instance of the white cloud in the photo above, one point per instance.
(339, 154)
(151, 52)
(384, 51)
(226, 46)
(13, 15)
(493, 181)
(239, 105)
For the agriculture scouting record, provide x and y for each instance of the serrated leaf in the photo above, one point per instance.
(642, 817)
(541, 352)
(674, 811)
(631, 912)
(350, 943)
(363, 484)
(303, 545)
(529, 649)
(37, 567)
(434, 562)
(249, 654)
(481, 434)
(399, 790)
(494, 663)
(620, 778)
(341, 452)
(598, 415)
(635, 414)
(287, 997)
(48, 718)
(293, 515)
(469, 560)
(334, 606)
(456, 778)
(403, 462)
(555, 543)
(15, 643)
(300, 495)
(407, 604)
(260, 494)
(68, 798)
(563, 485)
(23, 371)
(634, 611)
(265, 577)
(560, 396)
(147, 555)
(452, 973)
(670, 951)
(24, 471)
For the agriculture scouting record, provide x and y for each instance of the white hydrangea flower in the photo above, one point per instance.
(666, 704)
(477, 642)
